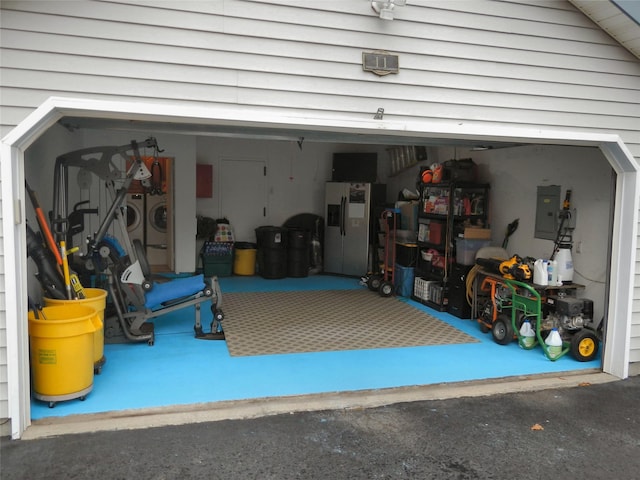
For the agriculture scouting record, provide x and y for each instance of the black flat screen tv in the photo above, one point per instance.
(355, 167)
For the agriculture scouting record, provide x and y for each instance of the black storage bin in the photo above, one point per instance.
(299, 252)
(462, 170)
(406, 254)
(272, 251)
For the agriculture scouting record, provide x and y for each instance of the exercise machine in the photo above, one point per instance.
(135, 296)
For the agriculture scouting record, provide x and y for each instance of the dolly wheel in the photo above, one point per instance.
(584, 345)
(386, 289)
(502, 331)
(374, 282)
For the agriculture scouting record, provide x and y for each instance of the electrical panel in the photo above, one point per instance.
(547, 207)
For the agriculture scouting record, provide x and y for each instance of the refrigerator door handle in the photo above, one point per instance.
(343, 211)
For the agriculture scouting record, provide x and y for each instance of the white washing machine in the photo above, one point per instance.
(157, 226)
(135, 216)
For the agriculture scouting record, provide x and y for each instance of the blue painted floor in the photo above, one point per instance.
(180, 369)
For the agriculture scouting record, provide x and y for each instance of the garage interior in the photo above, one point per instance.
(179, 369)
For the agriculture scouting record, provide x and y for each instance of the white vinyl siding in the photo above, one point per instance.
(635, 320)
(459, 60)
(532, 64)
(4, 395)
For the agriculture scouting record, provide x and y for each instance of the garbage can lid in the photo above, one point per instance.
(245, 245)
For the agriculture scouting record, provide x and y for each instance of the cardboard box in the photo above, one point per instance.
(475, 233)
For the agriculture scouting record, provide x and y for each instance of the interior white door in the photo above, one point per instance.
(243, 195)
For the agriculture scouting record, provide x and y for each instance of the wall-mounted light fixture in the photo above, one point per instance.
(384, 8)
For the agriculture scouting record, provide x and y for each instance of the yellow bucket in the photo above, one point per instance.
(61, 350)
(244, 262)
(96, 298)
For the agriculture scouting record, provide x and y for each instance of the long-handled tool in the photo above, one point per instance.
(72, 282)
(44, 226)
(65, 269)
(511, 228)
(78, 289)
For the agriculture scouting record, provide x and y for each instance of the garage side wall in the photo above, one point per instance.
(524, 64)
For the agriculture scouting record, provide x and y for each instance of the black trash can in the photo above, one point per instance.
(272, 251)
(299, 252)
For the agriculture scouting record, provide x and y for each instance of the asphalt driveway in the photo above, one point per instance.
(587, 431)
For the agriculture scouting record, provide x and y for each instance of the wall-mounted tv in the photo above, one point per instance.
(355, 167)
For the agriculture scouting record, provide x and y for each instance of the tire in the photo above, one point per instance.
(386, 289)
(502, 331)
(584, 345)
(373, 283)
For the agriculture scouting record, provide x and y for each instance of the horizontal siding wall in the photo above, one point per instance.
(635, 328)
(538, 64)
(4, 386)
(459, 60)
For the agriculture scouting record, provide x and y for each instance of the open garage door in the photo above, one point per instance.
(266, 126)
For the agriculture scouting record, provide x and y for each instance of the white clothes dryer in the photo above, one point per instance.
(157, 225)
(135, 216)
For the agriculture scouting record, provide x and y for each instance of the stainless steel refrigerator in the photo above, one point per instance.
(350, 220)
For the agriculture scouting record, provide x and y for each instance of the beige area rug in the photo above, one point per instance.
(266, 323)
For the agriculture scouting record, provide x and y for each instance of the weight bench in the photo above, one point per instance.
(137, 299)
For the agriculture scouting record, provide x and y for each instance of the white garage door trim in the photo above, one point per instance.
(616, 354)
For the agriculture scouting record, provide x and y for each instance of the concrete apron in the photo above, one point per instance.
(244, 409)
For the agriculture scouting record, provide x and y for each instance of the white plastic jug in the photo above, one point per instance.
(540, 273)
(554, 343)
(527, 334)
(565, 263)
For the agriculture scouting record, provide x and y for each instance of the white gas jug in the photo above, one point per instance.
(540, 273)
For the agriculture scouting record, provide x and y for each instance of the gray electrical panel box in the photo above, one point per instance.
(547, 207)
